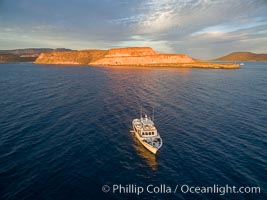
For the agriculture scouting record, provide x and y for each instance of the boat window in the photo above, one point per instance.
(152, 133)
(149, 133)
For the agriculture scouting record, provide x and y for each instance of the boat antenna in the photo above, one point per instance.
(141, 112)
(153, 114)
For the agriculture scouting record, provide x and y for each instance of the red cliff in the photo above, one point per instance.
(140, 56)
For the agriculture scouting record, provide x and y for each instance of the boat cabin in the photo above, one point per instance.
(145, 127)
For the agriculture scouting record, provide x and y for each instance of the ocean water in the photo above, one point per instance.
(65, 131)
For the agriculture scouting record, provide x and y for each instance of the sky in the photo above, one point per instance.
(202, 29)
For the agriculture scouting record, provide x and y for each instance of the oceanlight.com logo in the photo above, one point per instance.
(184, 189)
(221, 190)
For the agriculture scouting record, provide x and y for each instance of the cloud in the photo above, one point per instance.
(159, 16)
(201, 28)
(232, 26)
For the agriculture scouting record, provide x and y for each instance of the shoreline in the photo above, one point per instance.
(183, 65)
(157, 65)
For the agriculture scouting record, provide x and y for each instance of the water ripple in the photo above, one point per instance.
(66, 129)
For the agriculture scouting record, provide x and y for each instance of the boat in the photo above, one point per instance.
(241, 64)
(147, 134)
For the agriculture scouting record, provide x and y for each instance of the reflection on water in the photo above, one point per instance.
(150, 158)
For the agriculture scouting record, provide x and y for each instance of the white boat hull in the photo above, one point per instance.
(146, 145)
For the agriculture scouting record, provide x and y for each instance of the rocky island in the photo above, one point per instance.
(132, 56)
(243, 57)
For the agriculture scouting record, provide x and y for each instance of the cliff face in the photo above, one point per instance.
(143, 60)
(243, 56)
(140, 56)
(130, 51)
(73, 57)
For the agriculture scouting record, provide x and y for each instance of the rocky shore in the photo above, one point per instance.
(4, 58)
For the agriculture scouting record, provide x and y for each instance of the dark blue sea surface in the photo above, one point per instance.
(65, 131)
